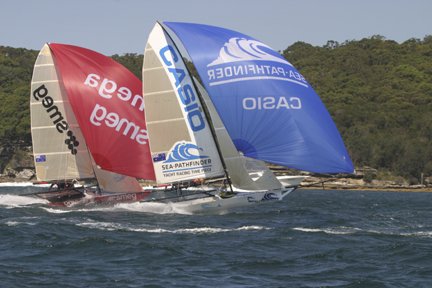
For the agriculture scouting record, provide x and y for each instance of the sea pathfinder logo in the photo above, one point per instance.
(242, 59)
(183, 159)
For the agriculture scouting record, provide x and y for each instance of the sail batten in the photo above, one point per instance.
(47, 81)
(43, 65)
(165, 121)
(154, 68)
(157, 92)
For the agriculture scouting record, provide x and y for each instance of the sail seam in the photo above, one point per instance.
(58, 153)
(45, 81)
(53, 126)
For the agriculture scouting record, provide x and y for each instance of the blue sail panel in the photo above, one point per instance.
(269, 110)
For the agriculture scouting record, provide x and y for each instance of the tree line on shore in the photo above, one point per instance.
(378, 91)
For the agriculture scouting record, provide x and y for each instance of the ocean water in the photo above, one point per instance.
(314, 238)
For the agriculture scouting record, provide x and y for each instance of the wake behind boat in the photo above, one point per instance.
(78, 196)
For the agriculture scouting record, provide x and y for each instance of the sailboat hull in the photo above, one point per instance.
(190, 200)
(109, 199)
(218, 203)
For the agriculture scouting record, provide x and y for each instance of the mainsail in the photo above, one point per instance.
(239, 167)
(53, 123)
(182, 144)
(268, 108)
(87, 119)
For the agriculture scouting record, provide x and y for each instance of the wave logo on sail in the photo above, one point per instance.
(185, 159)
(185, 151)
(241, 49)
(242, 59)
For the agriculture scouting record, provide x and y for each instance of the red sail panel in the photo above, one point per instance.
(107, 102)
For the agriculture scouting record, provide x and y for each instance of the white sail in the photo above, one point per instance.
(59, 149)
(245, 173)
(181, 142)
(113, 182)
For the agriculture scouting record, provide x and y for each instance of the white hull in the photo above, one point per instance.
(218, 204)
(190, 200)
(202, 199)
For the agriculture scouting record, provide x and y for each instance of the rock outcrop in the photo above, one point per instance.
(16, 163)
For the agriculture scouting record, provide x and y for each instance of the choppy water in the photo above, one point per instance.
(313, 238)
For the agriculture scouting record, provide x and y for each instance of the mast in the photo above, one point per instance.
(206, 112)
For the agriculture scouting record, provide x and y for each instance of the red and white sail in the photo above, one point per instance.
(106, 100)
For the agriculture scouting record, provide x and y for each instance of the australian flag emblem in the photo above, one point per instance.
(159, 157)
(40, 158)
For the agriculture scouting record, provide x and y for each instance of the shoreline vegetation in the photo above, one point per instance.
(377, 91)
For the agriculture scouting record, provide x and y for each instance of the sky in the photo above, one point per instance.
(122, 26)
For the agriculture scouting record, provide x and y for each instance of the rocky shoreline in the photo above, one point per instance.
(360, 184)
(20, 168)
(311, 182)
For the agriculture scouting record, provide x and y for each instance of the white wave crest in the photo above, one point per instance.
(241, 49)
(11, 201)
(109, 226)
(425, 234)
(334, 230)
(154, 208)
(21, 184)
(347, 230)
(422, 234)
(12, 223)
(31, 221)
